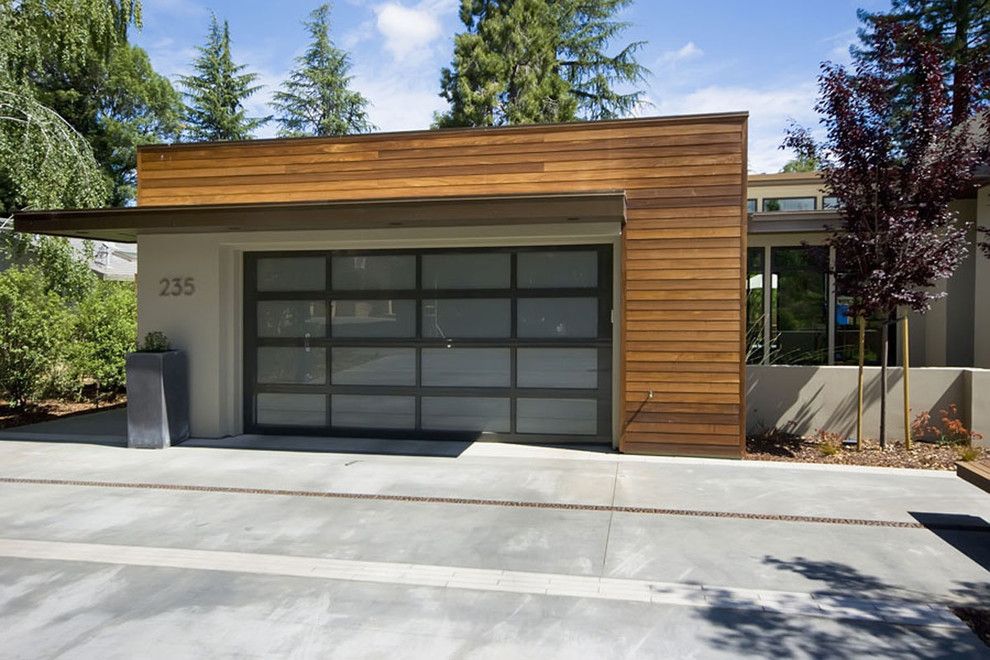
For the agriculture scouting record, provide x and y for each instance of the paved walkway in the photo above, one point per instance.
(476, 551)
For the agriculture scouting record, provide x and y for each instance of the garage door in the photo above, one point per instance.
(503, 344)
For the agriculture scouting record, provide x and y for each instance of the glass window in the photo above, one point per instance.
(557, 367)
(557, 270)
(558, 317)
(373, 412)
(292, 365)
(847, 332)
(373, 366)
(466, 414)
(467, 317)
(374, 272)
(469, 270)
(557, 416)
(830, 203)
(292, 318)
(754, 305)
(751, 205)
(292, 274)
(291, 409)
(467, 367)
(799, 305)
(374, 318)
(771, 204)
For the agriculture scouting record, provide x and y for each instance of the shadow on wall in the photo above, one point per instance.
(803, 399)
(771, 635)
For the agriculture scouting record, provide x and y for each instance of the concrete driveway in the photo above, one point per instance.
(371, 549)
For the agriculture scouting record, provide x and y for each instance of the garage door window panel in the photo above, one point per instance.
(374, 318)
(513, 343)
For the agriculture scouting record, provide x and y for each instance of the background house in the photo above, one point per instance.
(801, 351)
(109, 260)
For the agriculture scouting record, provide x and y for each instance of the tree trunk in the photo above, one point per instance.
(907, 382)
(883, 383)
(859, 406)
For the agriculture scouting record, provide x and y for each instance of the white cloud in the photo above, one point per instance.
(770, 110)
(399, 103)
(408, 31)
(840, 45)
(688, 51)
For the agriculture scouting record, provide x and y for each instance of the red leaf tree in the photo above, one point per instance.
(894, 170)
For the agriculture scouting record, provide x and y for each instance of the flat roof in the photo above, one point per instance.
(125, 224)
(441, 132)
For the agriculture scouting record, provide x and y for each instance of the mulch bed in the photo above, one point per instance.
(777, 446)
(976, 618)
(44, 411)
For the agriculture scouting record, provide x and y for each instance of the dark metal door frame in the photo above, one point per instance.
(603, 343)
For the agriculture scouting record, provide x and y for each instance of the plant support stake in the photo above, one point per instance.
(907, 382)
(859, 405)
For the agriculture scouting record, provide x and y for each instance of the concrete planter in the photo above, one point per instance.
(157, 399)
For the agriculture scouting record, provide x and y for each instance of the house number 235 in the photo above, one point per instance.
(177, 286)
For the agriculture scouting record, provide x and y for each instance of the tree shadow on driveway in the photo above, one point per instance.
(777, 635)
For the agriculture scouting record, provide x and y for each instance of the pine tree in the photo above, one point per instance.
(588, 31)
(316, 100)
(962, 30)
(538, 61)
(218, 90)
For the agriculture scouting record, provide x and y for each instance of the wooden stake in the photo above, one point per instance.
(859, 407)
(885, 349)
(907, 382)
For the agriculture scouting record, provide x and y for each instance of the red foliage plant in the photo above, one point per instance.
(895, 171)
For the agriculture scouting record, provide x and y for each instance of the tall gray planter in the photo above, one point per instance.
(157, 399)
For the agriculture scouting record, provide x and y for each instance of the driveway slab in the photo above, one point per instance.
(484, 551)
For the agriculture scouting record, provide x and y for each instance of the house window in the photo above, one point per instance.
(831, 203)
(799, 305)
(792, 315)
(774, 204)
(751, 206)
(847, 331)
(755, 317)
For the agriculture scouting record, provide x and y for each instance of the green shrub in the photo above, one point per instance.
(104, 332)
(34, 327)
(156, 342)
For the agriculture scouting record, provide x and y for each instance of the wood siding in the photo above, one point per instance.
(683, 266)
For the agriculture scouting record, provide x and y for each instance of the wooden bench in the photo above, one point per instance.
(975, 472)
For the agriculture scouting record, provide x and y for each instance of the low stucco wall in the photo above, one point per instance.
(804, 399)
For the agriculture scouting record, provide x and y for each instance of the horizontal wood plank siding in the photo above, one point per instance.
(683, 245)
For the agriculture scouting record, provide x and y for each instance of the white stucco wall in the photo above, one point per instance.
(208, 323)
(803, 399)
(981, 296)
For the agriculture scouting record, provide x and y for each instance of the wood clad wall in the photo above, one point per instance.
(683, 247)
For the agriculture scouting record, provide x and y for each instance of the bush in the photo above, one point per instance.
(34, 327)
(104, 331)
(155, 342)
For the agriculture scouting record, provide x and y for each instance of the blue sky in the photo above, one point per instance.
(705, 55)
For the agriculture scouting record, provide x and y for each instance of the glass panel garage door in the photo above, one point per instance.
(510, 343)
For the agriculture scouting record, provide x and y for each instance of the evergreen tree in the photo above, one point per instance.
(316, 100)
(69, 59)
(804, 163)
(217, 91)
(962, 30)
(589, 29)
(538, 61)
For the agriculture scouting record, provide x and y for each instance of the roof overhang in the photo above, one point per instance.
(784, 222)
(126, 224)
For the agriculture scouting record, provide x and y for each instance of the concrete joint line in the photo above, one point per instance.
(492, 580)
(518, 504)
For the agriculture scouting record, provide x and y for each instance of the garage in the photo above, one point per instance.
(509, 343)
